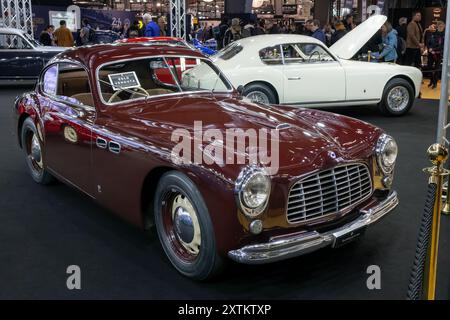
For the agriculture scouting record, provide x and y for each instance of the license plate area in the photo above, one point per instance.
(349, 237)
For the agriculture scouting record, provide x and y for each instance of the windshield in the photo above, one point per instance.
(156, 76)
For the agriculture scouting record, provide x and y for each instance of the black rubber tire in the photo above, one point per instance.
(208, 263)
(263, 88)
(384, 106)
(39, 176)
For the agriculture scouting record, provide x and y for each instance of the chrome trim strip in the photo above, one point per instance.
(331, 102)
(292, 246)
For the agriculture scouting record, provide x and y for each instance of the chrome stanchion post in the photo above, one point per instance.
(438, 155)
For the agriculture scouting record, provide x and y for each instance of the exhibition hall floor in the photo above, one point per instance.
(43, 230)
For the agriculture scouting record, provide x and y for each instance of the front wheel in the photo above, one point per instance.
(32, 147)
(184, 227)
(398, 98)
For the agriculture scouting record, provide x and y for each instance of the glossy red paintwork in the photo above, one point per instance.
(125, 182)
(150, 39)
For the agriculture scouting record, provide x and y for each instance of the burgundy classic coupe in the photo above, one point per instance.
(108, 120)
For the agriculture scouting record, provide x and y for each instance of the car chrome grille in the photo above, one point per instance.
(328, 192)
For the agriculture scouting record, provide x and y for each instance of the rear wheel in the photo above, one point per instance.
(32, 147)
(184, 227)
(260, 93)
(398, 98)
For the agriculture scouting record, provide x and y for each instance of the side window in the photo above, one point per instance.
(13, 42)
(73, 85)
(68, 82)
(305, 53)
(271, 55)
(50, 80)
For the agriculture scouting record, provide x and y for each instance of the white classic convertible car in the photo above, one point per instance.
(299, 70)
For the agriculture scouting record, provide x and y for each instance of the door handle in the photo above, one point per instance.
(295, 78)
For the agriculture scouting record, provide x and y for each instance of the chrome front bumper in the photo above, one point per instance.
(284, 248)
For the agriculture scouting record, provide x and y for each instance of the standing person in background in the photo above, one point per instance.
(328, 30)
(317, 32)
(45, 37)
(259, 29)
(162, 23)
(151, 27)
(414, 41)
(272, 28)
(234, 33)
(134, 31)
(84, 36)
(339, 33)
(223, 27)
(402, 27)
(401, 37)
(249, 30)
(389, 43)
(435, 45)
(63, 36)
(349, 22)
(307, 31)
(125, 32)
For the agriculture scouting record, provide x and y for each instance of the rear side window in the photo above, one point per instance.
(271, 55)
(50, 81)
(68, 82)
(230, 51)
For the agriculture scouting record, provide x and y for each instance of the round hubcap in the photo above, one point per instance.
(259, 97)
(398, 98)
(35, 151)
(185, 223)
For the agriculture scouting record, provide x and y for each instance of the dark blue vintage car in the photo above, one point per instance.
(21, 57)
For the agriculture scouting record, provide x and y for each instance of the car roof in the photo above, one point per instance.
(11, 30)
(94, 55)
(269, 40)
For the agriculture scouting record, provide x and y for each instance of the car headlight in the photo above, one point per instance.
(387, 151)
(253, 191)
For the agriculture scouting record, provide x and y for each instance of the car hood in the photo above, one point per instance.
(304, 136)
(352, 42)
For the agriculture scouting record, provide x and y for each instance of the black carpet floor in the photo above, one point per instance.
(43, 230)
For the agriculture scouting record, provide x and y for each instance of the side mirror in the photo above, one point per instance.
(240, 89)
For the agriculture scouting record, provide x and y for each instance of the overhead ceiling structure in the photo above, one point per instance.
(17, 14)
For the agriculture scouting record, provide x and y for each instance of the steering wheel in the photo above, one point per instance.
(116, 94)
(313, 54)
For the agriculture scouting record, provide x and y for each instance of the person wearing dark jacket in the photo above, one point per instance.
(402, 34)
(223, 27)
(234, 33)
(339, 33)
(259, 29)
(435, 45)
(349, 22)
(402, 27)
(45, 38)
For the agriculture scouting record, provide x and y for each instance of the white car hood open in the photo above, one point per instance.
(352, 42)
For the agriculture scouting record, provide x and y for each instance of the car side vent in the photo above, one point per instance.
(101, 143)
(114, 147)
